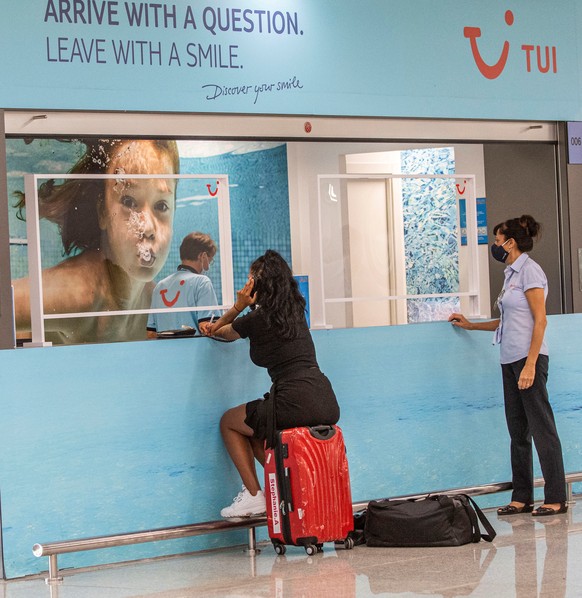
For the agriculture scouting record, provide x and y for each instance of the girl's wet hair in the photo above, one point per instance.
(278, 294)
(73, 204)
(522, 230)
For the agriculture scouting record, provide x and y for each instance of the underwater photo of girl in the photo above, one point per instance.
(116, 236)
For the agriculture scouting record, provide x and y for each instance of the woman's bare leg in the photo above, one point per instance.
(237, 437)
(259, 450)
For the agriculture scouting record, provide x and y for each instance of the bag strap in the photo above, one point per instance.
(476, 536)
(491, 533)
(271, 416)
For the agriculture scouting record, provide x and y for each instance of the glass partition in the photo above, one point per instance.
(393, 250)
(117, 236)
(68, 231)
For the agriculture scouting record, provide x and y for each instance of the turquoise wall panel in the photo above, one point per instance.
(102, 439)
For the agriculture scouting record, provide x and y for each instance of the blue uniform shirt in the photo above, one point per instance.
(184, 288)
(516, 327)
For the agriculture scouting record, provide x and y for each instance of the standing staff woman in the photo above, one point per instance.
(280, 341)
(524, 364)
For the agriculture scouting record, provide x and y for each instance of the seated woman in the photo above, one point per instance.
(280, 341)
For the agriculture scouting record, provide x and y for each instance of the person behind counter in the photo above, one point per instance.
(188, 287)
(300, 395)
(524, 365)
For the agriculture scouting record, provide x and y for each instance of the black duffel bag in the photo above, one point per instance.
(436, 520)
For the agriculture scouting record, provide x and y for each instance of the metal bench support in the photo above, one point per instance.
(53, 549)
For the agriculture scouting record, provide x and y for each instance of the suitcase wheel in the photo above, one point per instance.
(319, 547)
(280, 548)
(311, 549)
(348, 543)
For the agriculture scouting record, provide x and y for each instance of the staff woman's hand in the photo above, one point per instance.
(460, 321)
(246, 296)
(526, 377)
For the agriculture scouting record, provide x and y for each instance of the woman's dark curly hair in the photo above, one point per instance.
(522, 230)
(278, 294)
(73, 204)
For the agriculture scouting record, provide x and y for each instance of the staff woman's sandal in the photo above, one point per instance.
(511, 510)
(543, 511)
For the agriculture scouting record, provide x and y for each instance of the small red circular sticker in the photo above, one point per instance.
(307, 127)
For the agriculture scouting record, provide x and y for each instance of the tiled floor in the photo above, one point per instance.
(529, 558)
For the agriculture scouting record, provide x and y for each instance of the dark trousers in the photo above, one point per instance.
(529, 415)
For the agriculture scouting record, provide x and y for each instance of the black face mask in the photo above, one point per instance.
(498, 252)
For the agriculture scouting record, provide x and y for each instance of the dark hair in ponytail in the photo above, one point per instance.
(522, 230)
(278, 294)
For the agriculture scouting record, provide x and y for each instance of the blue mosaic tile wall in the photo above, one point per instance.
(430, 233)
(259, 201)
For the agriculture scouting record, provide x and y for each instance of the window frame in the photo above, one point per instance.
(473, 295)
(37, 315)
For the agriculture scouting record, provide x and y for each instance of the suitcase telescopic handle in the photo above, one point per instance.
(288, 492)
(322, 432)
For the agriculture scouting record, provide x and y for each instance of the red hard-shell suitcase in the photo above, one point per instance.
(307, 485)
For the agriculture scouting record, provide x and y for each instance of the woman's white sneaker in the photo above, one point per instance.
(246, 505)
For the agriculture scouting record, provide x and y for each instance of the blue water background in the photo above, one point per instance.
(259, 201)
(123, 437)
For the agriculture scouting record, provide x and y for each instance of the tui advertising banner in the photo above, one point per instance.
(387, 58)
